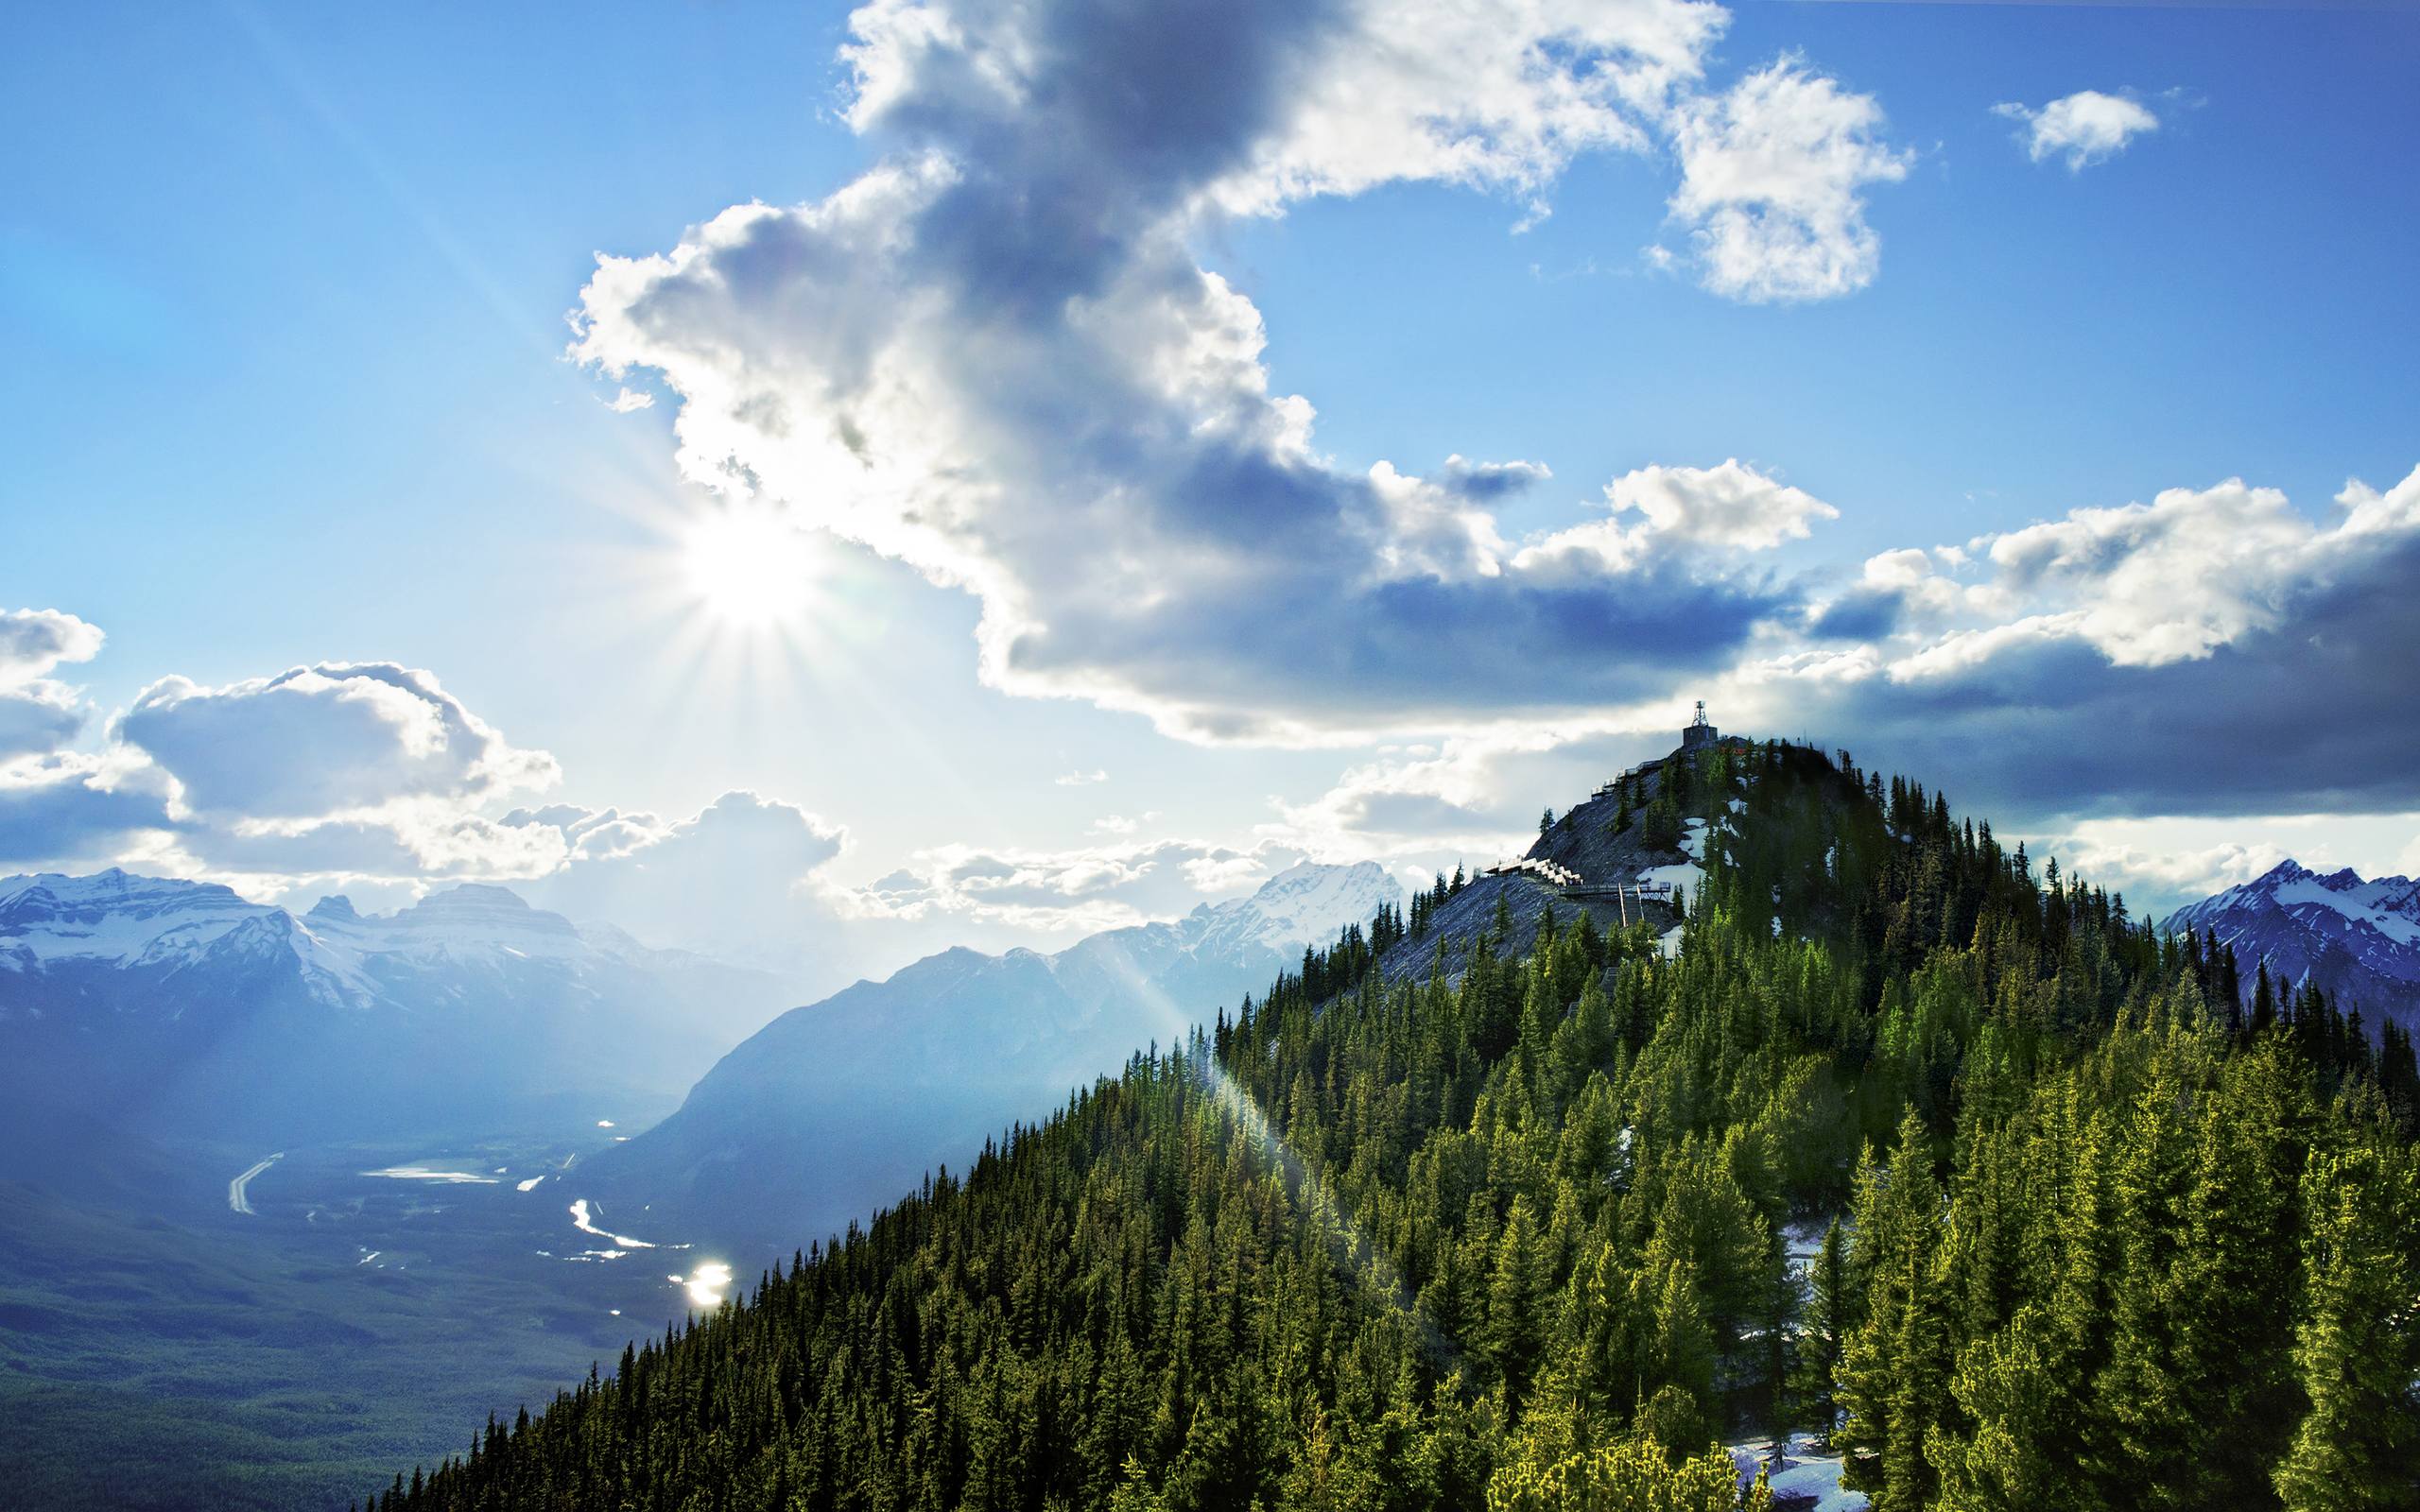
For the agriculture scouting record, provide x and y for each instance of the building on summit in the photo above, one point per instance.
(1699, 733)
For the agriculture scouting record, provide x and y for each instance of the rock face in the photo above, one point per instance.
(838, 1107)
(2358, 939)
(1588, 841)
(158, 1007)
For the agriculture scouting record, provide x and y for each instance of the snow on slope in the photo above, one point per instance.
(2339, 902)
(1307, 903)
(114, 920)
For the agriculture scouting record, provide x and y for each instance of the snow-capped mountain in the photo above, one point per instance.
(178, 1005)
(1307, 903)
(2360, 940)
(837, 1106)
(162, 927)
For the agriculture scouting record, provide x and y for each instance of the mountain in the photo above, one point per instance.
(2359, 941)
(1844, 1154)
(162, 1007)
(834, 1107)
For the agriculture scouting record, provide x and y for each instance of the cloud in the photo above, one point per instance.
(995, 357)
(1731, 506)
(2156, 877)
(1068, 892)
(738, 878)
(2214, 651)
(320, 741)
(417, 841)
(1772, 178)
(1478, 794)
(1480, 482)
(34, 641)
(1896, 589)
(66, 810)
(630, 399)
(36, 716)
(1080, 779)
(2086, 127)
(352, 771)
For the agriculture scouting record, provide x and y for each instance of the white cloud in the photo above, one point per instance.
(1082, 778)
(35, 641)
(2189, 571)
(1730, 509)
(36, 716)
(2086, 127)
(994, 356)
(2156, 877)
(630, 399)
(1068, 892)
(415, 840)
(1771, 180)
(315, 742)
(739, 879)
(1300, 101)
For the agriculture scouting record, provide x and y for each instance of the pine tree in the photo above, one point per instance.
(1831, 1313)
(2357, 1349)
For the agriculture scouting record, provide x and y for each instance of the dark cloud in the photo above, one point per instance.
(1485, 482)
(1859, 614)
(63, 812)
(2317, 712)
(37, 720)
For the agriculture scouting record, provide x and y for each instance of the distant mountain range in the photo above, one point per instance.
(835, 1108)
(158, 1007)
(2358, 939)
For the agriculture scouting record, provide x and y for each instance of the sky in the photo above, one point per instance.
(823, 485)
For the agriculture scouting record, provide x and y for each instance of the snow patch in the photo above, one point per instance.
(1802, 1472)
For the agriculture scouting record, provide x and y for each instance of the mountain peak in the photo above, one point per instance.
(469, 895)
(2359, 938)
(336, 906)
(1307, 904)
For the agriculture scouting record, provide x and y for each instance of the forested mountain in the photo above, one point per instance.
(2358, 939)
(143, 1007)
(1512, 1237)
(836, 1107)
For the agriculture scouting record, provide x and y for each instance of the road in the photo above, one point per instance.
(235, 1198)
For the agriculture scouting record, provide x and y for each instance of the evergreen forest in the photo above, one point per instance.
(2083, 1223)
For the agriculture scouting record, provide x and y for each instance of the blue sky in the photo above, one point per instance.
(287, 288)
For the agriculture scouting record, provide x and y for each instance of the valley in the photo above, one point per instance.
(332, 1311)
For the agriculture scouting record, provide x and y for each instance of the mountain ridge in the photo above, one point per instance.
(836, 1105)
(145, 1006)
(2359, 940)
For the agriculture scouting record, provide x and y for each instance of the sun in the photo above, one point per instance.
(748, 566)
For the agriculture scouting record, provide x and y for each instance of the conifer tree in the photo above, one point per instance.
(2357, 1349)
